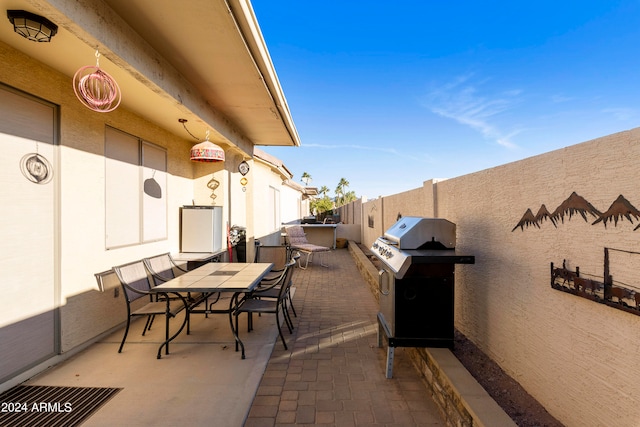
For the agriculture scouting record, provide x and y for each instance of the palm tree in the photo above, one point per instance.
(306, 178)
(340, 191)
(350, 196)
(343, 184)
(324, 190)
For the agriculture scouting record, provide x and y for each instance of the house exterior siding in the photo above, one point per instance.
(83, 312)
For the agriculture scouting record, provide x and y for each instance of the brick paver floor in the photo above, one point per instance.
(333, 372)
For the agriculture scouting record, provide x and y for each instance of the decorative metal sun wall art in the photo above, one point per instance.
(576, 205)
(622, 296)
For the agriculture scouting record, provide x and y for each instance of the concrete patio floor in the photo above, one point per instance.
(332, 373)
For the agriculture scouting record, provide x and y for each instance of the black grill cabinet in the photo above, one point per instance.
(417, 284)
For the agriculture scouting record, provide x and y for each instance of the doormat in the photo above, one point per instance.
(35, 405)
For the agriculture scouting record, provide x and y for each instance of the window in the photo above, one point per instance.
(273, 209)
(135, 190)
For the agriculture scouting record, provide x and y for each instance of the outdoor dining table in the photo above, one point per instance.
(216, 277)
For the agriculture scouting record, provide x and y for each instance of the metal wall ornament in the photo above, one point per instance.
(243, 168)
(96, 89)
(618, 295)
(213, 184)
(36, 168)
(576, 205)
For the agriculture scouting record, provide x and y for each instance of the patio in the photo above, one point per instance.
(332, 373)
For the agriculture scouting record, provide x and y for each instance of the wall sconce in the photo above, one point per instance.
(31, 26)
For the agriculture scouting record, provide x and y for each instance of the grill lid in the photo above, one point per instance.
(417, 240)
(400, 260)
(412, 232)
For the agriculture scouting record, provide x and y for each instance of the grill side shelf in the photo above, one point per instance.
(439, 257)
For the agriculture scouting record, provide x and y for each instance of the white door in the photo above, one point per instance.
(28, 317)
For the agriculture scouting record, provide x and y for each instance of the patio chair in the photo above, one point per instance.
(253, 303)
(135, 285)
(163, 268)
(107, 280)
(298, 240)
(278, 255)
(268, 289)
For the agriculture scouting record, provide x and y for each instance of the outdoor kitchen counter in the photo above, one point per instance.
(321, 234)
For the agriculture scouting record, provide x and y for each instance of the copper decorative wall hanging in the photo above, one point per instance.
(96, 89)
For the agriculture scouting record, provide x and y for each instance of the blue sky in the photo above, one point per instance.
(390, 94)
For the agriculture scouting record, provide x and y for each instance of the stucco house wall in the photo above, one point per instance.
(273, 202)
(80, 199)
(574, 355)
(84, 312)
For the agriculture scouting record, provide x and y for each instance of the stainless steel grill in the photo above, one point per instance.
(415, 240)
(417, 283)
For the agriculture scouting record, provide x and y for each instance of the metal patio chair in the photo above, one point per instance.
(267, 288)
(136, 284)
(278, 255)
(163, 268)
(253, 303)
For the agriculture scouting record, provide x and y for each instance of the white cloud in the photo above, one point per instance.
(352, 146)
(621, 113)
(389, 153)
(560, 98)
(460, 101)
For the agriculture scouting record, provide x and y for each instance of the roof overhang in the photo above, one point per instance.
(274, 163)
(311, 191)
(202, 60)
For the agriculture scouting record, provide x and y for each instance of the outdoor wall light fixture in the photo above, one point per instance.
(206, 151)
(31, 26)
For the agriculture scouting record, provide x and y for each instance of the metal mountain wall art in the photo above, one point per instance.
(543, 215)
(577, 205)
(619, 208)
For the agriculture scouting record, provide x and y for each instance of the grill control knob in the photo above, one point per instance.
(386, 252)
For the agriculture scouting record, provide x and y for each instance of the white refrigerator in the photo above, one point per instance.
(201, 229)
